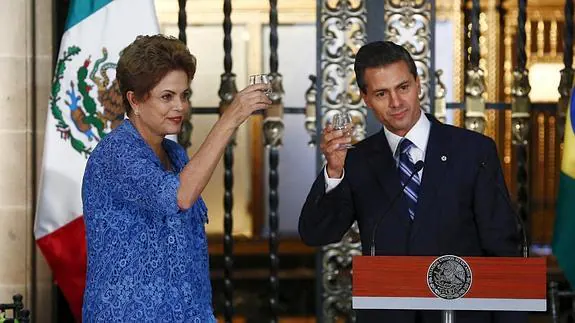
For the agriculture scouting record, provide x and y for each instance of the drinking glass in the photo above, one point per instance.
(261, 79)
(342, 121)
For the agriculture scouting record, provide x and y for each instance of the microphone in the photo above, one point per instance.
(518, 219)
(417, 167)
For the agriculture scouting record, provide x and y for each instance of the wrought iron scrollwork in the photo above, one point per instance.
(520, 107)
(185, 134)
(182, 21)
(227, 92)
(565, 86)
(336, 280)
(554, 300)
(567, 73)
(440, 103)
(474, 102)
(273, 128)
(343, 25)
(17, 307)
(274, 232)
(520, 117)
(273, 121)
(475, 80)
(408, 23)
(310, 111)
(343, 32)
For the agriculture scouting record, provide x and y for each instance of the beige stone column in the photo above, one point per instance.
(25, 73)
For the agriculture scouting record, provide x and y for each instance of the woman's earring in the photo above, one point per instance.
(136, 112)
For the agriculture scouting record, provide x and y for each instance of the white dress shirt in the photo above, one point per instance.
(418, 135)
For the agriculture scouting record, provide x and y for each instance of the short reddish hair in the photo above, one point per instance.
(145, 62)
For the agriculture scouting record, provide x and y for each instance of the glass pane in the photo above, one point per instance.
(297, 168)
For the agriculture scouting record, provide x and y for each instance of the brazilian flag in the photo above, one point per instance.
(564, 234)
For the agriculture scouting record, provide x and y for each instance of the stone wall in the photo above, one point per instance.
(26, 49)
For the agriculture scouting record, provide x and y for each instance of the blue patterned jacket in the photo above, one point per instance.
(147, 259)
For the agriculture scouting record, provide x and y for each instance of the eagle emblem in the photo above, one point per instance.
(80, 119)
(449, 277)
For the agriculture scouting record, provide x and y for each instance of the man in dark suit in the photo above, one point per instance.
(451, 206)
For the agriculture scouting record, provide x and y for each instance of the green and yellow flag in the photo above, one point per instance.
(564, 234)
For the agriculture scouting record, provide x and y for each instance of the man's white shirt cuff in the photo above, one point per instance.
(331, 183)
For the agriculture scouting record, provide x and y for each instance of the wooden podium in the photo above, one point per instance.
(450, 283)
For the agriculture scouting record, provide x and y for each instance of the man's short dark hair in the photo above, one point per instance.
(380, 54)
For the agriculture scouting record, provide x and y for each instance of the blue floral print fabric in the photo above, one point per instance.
(147, 258)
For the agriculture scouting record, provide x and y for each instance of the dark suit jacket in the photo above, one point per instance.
(460, 210)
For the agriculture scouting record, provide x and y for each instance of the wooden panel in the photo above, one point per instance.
(391, 276)
(508, 278)
(248, 246)
(492, 277)
(280, 319)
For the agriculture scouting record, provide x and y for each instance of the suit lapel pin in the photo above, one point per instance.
(443, 158)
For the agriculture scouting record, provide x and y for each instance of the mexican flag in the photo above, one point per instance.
(85, 104)
(564, 234)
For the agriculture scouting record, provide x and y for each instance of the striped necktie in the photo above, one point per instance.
(406, 168)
